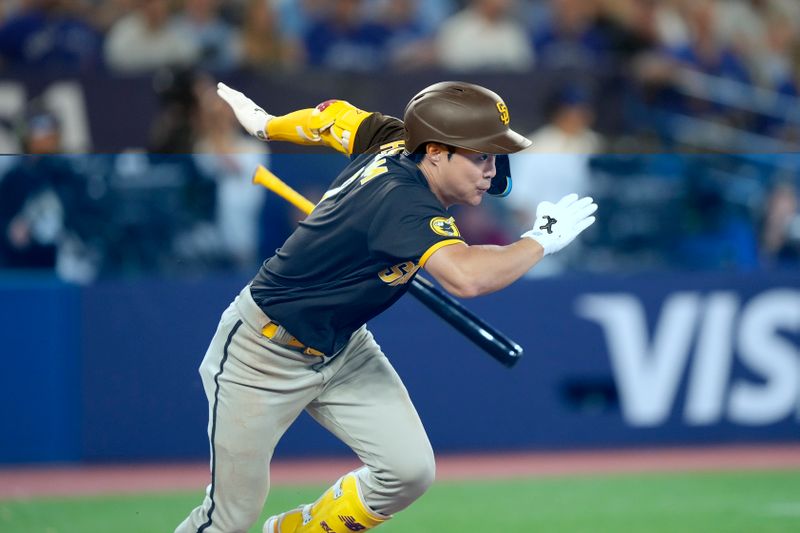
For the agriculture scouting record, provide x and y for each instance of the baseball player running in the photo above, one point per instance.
(295, 338)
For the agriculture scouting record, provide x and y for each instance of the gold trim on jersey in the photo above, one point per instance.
(441, 244)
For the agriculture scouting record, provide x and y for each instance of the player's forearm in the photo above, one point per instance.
(483, 269)
(332, 123)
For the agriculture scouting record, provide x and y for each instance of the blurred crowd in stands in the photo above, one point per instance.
(698, 168)
(745, 41)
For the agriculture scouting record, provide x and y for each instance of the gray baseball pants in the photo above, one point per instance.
(256, 388)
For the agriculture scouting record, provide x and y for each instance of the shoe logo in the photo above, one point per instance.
(351, 524)
(325, 527)
(548, 227)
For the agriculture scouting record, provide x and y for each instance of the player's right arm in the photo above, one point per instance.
(333, 123)
(467, 271)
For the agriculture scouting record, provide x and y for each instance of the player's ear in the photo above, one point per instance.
(434, 151)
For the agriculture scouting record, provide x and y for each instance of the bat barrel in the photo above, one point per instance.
(470, 325)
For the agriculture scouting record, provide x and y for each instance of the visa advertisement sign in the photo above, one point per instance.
(698, 337)
(632, 361)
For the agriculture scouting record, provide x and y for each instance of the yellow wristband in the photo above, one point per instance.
(293, 128)
(333, 123)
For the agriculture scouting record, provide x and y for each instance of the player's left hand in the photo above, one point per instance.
(252, 117)
(558, 224)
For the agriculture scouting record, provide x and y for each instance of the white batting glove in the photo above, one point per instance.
(558, 224)
(251, 116)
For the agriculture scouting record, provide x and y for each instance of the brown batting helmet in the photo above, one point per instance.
(463, 115)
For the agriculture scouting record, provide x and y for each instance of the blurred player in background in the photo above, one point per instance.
(46, 216)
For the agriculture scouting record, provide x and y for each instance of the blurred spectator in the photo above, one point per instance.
(8, 8)
(341, 39)
(705, 52)
(30, 214)
(411, 43)
(176, 130)
(556, 164)
(45, 215)
(147, 39)
(569, 38)
(773, 63)
(716, 234)
(629, 27)
(103, 14)
(230, 157)
(686, 93)
(48, 34)
(164, 205)
(484, 36)
(772, 67)
(790, 132)
(219, 44)
(297, 16)
(175, 126)
(428, 15)
(263, 45)
(759, 31)
(671, 22)
(780, 227)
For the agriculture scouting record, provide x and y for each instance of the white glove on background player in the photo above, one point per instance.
(252, 117)
(558, 224)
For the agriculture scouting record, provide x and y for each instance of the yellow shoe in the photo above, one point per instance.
(286, 522)
(340, 509)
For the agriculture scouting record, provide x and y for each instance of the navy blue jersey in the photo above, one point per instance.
(354, 256)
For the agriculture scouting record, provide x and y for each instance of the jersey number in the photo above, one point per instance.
(399, 274)
(375, 168)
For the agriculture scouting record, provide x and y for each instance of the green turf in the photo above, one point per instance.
(746, 502)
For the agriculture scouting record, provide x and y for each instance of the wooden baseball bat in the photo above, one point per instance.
(491, 340)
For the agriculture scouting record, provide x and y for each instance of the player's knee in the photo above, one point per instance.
(421, 478)
(415, 475)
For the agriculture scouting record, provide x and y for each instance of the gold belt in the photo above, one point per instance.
(271, 329)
